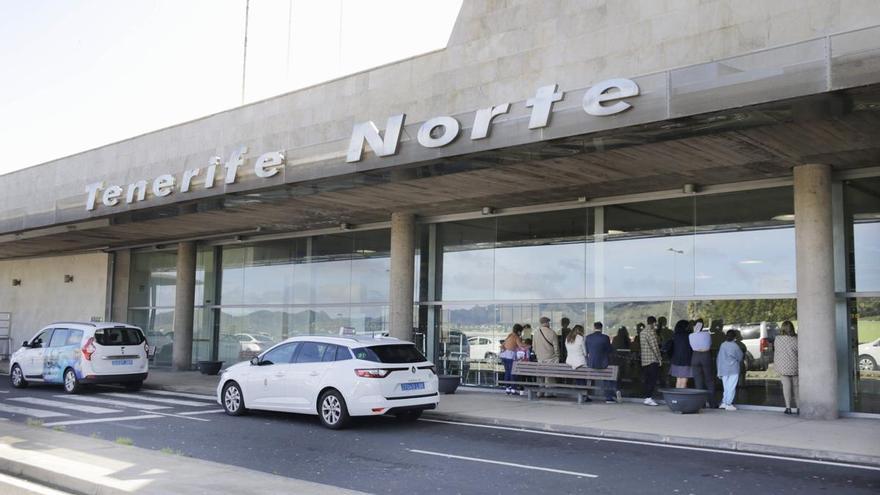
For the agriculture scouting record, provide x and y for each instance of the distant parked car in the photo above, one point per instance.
(483, 348)
(73, 354)
(869, 356)
(758, 339)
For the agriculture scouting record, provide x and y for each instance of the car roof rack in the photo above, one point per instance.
(86, 323)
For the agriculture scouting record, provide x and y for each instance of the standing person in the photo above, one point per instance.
(527, 332)
(650, 350)
(785, 362)
(509, 348)
(574, 343)
(599, 351)
(680, 354)
(563, 334)
(621, 341)
(730, 356)
(701, 361)
(546, 345)
(664, 337)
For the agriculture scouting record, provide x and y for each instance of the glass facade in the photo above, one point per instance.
(727, 258)
(862, 220)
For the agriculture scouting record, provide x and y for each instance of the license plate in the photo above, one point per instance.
(412, 386)
(122, 362)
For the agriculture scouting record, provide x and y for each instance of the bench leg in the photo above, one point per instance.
(531, 394)
(580, 398)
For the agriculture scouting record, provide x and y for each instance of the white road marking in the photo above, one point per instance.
(119, 403)
(180, 416)
(101, 420)
(502, 463)
(4, 391)
(162, 400)
(657, 444)
(180, 394)
(193, 413)
(28, 411)
(29, 487)
(66, 405)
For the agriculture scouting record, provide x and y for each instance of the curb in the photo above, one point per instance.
(704, 443)
(52, 479)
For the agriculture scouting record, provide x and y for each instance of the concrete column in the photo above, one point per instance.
(119, 295)
(184, 304)
(403, 251)
(817, 350)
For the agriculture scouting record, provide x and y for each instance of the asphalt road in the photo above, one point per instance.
(380, 455)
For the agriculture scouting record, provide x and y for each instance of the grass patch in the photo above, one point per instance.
(170, 451)
(34, 422)
(869, 330)
(59, 428)
(124, 441)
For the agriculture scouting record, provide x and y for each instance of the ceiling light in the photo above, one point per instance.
(787, 217)
(614, 232)
(628, 267)
(750, 262)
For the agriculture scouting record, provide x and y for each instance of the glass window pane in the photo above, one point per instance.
(323, 274)
(862, 206)
(152, 280)
(246, 332)
(156, 324)
(865, 325)
(541, 256)
(59, 337)
(371, 266)
(468, 260)
(283, 354)
(311, 352)
(268, 272)
(74, 337)
(745, 243)
(648, 250)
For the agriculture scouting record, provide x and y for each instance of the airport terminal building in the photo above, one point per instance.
(598, 161)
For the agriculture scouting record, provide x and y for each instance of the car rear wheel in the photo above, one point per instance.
(409, 416)
(867, 363)
(233, 400)
(16, 377)
(71, 382)
(333, 411)
(133, 386)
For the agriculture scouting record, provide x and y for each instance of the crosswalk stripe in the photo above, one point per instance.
(119, 403)
(194, 413)
(176, 402)
(29, 411)
(66, 405)
(101, 420)
(181, 394)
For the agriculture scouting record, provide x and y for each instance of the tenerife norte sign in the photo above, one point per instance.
(603, 99)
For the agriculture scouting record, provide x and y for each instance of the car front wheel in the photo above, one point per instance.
(233, 400)
(16, 377)
(867, 363)
(333, 411)
(71, 382)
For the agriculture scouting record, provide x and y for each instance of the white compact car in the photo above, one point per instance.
(869, 356)
(333, 377)
(73, 354)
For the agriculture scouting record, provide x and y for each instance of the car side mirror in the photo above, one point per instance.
(24, 344)
(255, 361)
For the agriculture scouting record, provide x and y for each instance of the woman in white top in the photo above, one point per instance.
(574, 346)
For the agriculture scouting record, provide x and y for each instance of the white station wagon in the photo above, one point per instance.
(333, 377)
(74, 353)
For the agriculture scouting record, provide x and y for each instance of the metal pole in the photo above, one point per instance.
(247, 7)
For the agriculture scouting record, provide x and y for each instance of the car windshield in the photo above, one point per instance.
(394, 353)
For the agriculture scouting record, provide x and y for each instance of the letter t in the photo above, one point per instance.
(541, 105)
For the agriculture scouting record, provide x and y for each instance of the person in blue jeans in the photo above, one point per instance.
(599, 352)
(509, 348)
(730, 357)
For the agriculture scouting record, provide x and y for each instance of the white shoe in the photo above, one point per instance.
(730, 407)
(618, 397)
(650, 402)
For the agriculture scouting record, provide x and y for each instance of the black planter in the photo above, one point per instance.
(685, 400)
(210, 367)
(448, 383)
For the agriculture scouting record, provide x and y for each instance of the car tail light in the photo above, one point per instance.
(764, 346)
(146, 348)
(432, 368)
(89, 348)
(371, 373)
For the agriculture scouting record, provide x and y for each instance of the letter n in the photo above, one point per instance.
(368, 132)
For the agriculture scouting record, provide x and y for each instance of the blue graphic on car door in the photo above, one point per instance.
(63, 352)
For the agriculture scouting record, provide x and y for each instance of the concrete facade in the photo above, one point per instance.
(44, 297)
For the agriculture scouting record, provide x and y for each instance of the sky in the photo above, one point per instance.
(79, 74)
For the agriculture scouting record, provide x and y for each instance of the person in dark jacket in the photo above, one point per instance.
(599, 354)
(680, 352)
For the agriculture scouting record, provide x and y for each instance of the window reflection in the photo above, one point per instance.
(862, 205)
(864, 315)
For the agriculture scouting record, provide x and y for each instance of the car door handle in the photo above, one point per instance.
(279, 375)
(314, 373)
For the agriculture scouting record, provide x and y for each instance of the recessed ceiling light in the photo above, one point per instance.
(750, 262)
(787, 217)
(614, 232)
(702, 276)
(628, 267)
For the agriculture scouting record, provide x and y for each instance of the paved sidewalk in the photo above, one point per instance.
(844, 440)
(80, 464)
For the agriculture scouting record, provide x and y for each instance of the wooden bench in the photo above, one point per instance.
(560, 371)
